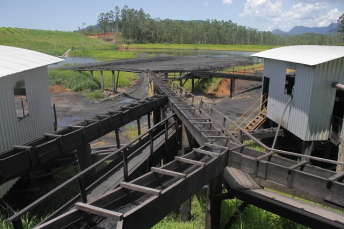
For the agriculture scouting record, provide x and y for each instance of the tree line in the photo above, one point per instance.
(138, 27)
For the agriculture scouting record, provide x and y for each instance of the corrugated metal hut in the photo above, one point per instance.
(306, 72)
(25, 105)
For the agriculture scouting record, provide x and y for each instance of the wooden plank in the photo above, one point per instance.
(239, 180)
(336, 177)
(291, 168)
(206, 152)
(218, 137)
(168, 172)
(188, 161)
(99, 211)
(140, 188)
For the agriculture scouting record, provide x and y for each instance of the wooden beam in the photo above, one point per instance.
(140, 188)
(168, 172)
(188, 161)
(102, 80)
(99, 211)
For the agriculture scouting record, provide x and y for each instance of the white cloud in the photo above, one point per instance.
(206, 4)
(313, 13)
(262, 10)
(227, 1)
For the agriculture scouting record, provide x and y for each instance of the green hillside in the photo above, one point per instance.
(53, 42)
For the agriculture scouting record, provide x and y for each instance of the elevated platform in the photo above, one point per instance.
(242, 186)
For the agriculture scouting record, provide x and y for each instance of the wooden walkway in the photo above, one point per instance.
(144, 201)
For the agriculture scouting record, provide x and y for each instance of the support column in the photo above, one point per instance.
(117, 81)
(113, 82)
(156, 116)
(185, 208)
(213, 207)
(166, 75)
(307, 148)
(192, 85)
(91, 75)
(85, 161)
(102, 80)
(232, 91)
(341, 150)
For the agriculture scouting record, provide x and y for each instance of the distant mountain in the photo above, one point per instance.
(330, 29)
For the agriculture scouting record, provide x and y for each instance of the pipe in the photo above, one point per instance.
(279, 125)
(338, 86)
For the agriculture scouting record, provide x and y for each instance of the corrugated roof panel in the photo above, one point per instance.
(14, 60)
(304, 54)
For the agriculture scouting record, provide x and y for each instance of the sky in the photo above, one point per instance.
(263, 15)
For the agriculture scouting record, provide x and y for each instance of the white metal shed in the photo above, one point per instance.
(317, 67)
(25, 105)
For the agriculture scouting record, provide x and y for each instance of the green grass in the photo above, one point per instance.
(76, 81)
(95, 95)
(50, 42)
(248, 48)
(252, 217)
(253, 145)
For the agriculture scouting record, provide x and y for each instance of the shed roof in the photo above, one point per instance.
(14, 60)
(304, 54)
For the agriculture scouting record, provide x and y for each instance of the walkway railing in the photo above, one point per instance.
(16, 218)
(216, 115)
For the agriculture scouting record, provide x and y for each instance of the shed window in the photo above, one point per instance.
(20, 99)
(289, 81)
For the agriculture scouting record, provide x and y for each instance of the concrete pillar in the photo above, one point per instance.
(232, 91)
(85, 161)
(213, 207)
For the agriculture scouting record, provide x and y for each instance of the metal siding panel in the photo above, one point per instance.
(295, 118)
(40, 117)
(299, 106)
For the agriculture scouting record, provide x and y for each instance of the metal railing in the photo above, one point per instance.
(211, 112)
(16, 218)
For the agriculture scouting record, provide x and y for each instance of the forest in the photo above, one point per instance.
(138, 27)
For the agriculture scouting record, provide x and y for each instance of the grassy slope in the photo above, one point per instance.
(45, 40)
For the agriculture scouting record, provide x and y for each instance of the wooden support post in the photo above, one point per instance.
(307, 148)
(138, 127)
(185, 208)
(117, 81)
(102, 80)
(232, 91)
(156, 116)
(113, 82)
(192, 85)
(85, 160)
(235, 215)
(118, 142)
(213, 207)
(92, 75)
(149, 120)
(340, 168)
(166, 75)
(180, 79)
